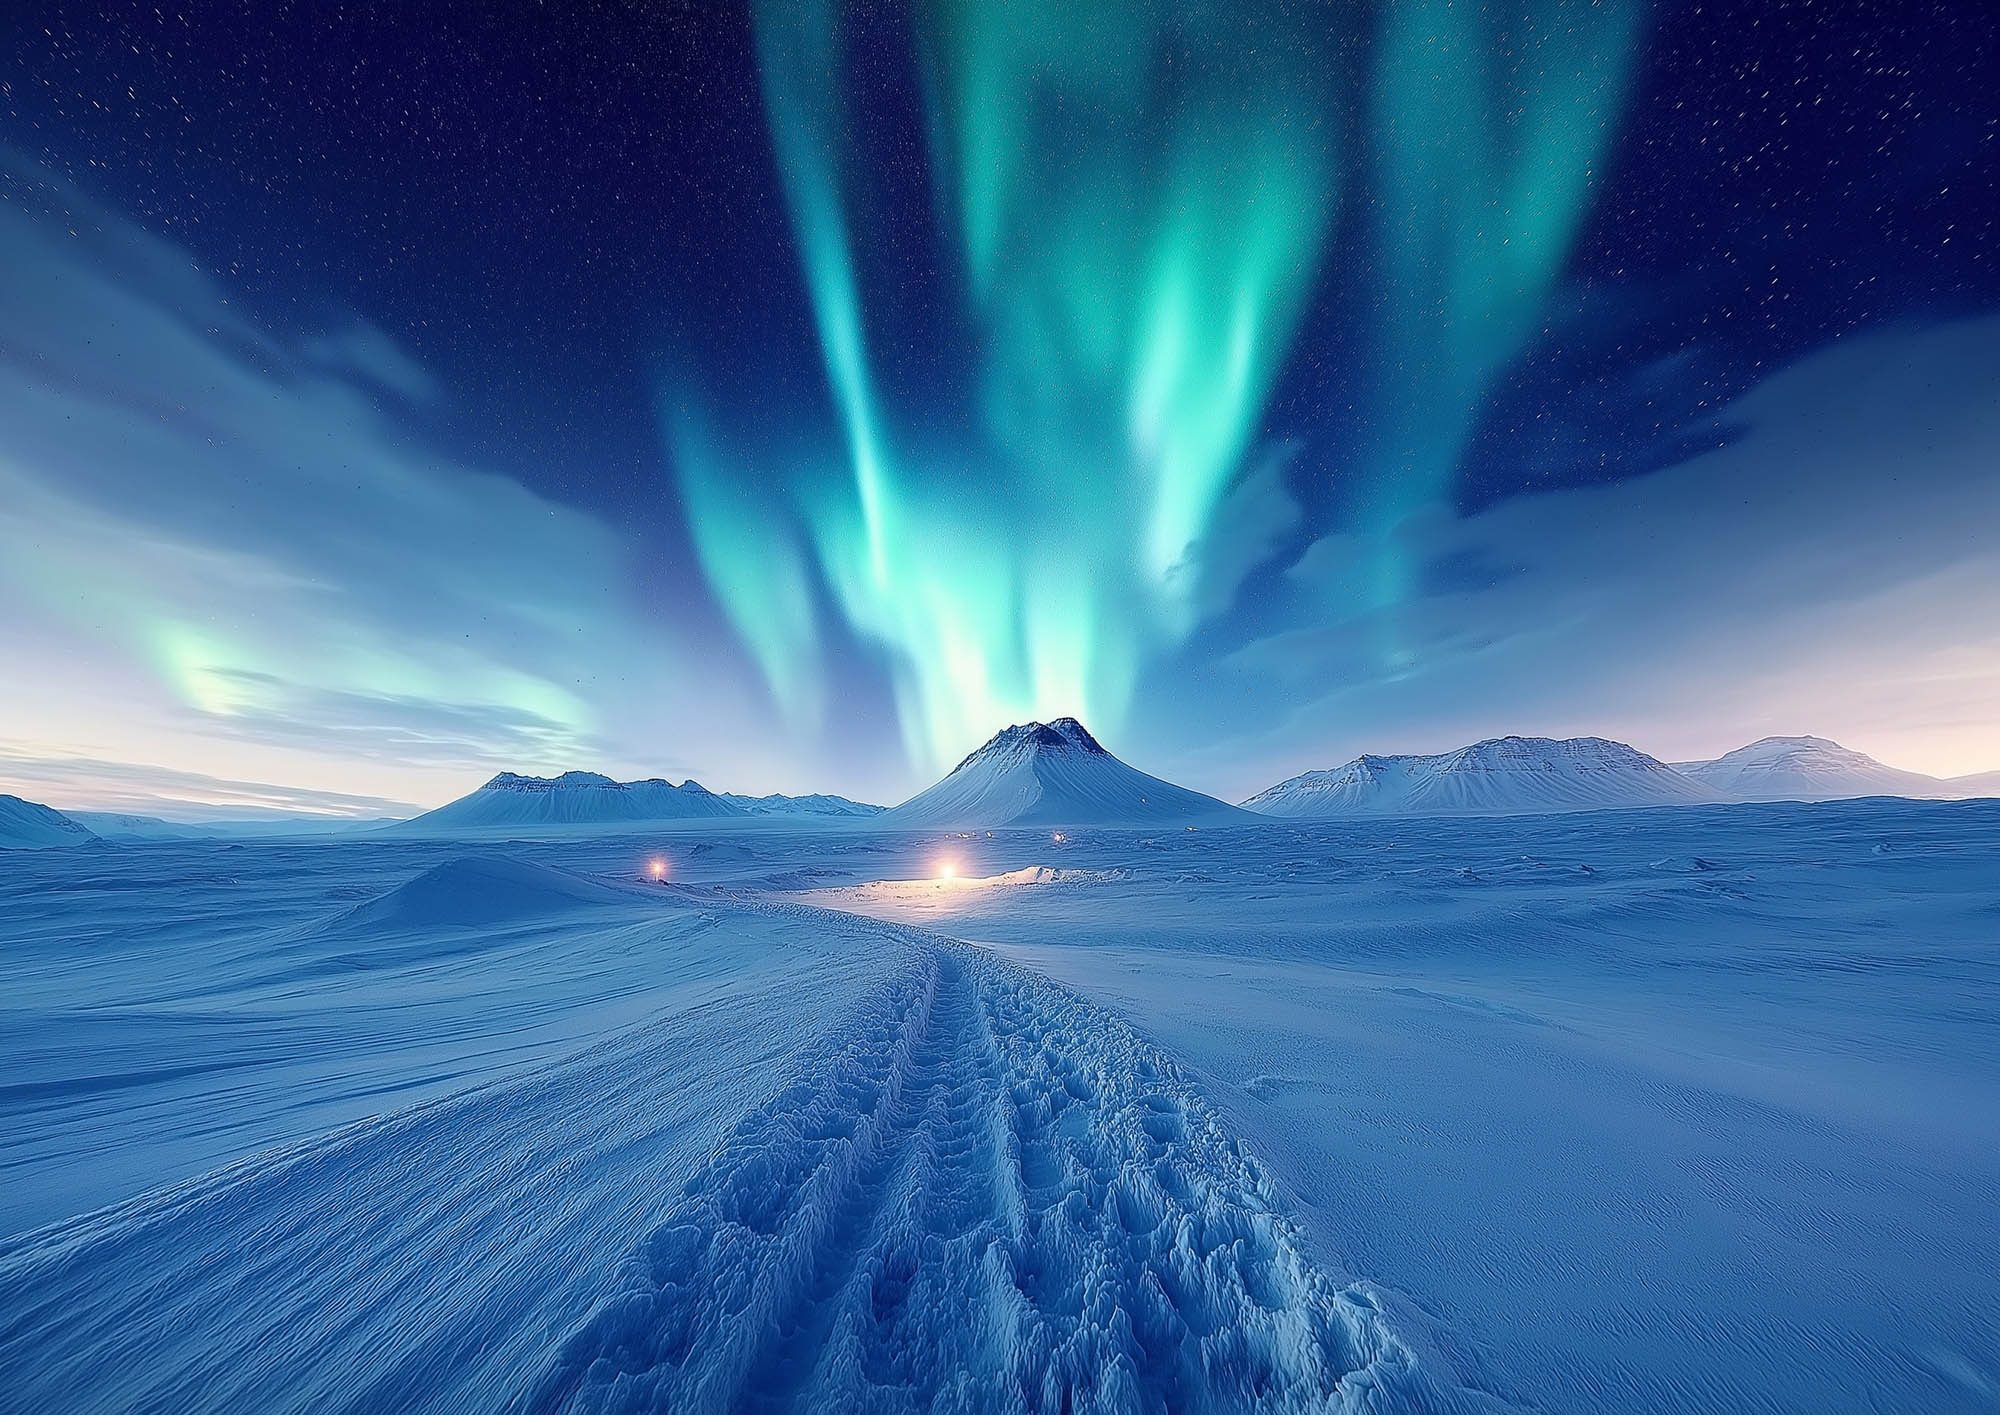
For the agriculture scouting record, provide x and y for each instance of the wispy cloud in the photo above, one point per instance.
(89, 784)
(1832, 570)
(217, 533)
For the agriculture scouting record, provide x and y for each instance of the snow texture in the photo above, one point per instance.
(1501, 776)
(1052, 774)
(983, 1196)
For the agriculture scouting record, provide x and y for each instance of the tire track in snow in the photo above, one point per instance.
(984, 1195)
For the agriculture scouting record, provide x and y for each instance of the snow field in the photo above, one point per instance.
(1667, 1111)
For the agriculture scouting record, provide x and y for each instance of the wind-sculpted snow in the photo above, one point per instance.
(986, 1196)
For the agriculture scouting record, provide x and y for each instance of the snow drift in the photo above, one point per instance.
(481, 891)
(1052, 773)
(576, 798)
(1502, 776)
(24, 825)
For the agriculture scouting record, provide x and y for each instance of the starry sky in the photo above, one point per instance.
(791, 394)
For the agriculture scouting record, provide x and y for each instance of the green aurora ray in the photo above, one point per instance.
(1142, 197)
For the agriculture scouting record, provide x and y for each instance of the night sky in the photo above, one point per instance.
(793, 395)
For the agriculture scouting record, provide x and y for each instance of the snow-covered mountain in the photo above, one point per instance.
(1500, 776)
(576, 798)
(24, 825)
(1052, 773)
(1364, 785)
(802, 805)
(1985, 783)
(1812, 769)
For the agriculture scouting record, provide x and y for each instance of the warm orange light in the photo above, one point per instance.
(948, 870)
(657, 869)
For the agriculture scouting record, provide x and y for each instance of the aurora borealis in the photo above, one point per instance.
(1138, 199)
(793, 393)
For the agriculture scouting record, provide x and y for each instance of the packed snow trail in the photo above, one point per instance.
(985, 1195)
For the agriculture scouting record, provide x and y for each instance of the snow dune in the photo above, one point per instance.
(480, 891)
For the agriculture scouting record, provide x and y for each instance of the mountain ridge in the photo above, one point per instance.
(1510, 775)
(29, 825)
(511, 801)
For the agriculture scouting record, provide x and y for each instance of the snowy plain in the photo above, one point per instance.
(1679, 1109)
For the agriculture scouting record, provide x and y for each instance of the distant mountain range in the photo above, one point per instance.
(585, 799)
(113, 825)
(1037, 773)
(1056, 774)
(838, 806)
(576, 798)
(1531, 775)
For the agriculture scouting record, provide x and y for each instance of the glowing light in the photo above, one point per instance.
(947, 869)
(657, 869)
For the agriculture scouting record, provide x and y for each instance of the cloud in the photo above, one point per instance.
(213, 533)
(89, 784)
(1832, 570)
(369, 352)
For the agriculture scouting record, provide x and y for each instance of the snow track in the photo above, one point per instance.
(983, 1195)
